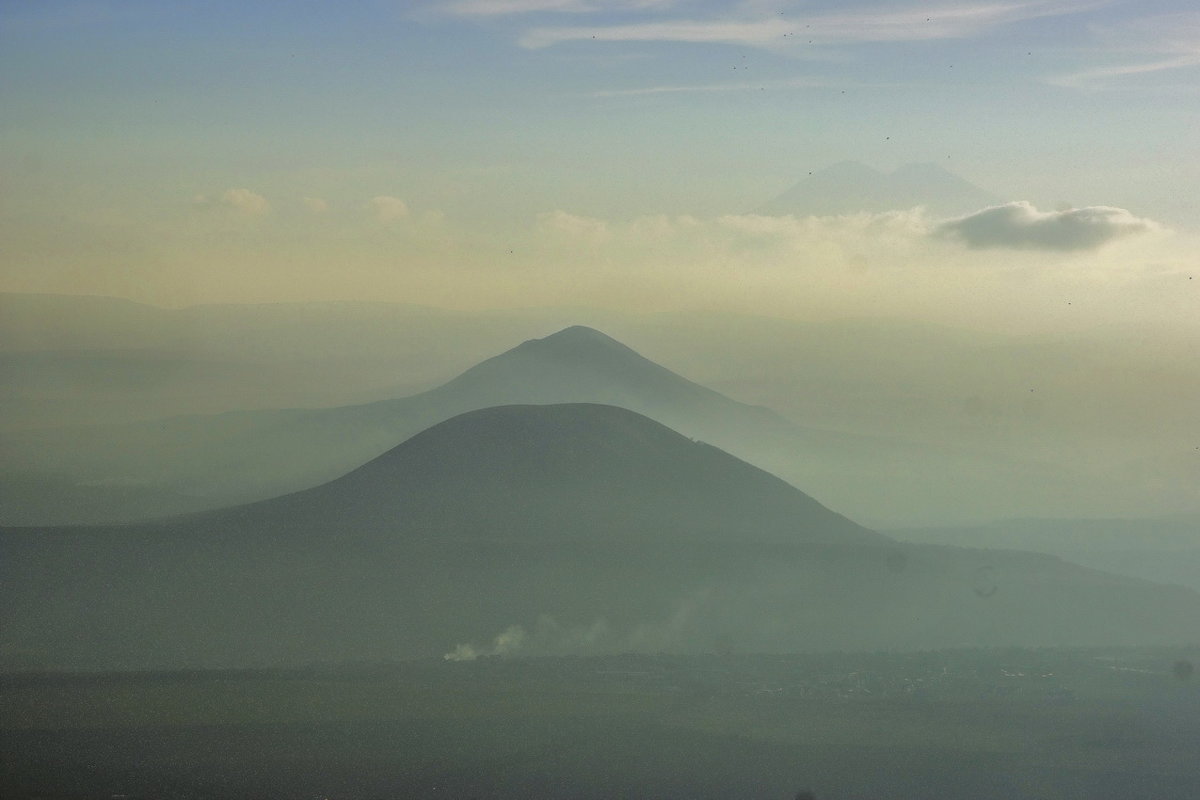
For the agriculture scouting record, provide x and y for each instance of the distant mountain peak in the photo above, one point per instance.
(579, 330)
(856, 168)
(579, 334)
(850, 187)
(578, 343)
(921, 168)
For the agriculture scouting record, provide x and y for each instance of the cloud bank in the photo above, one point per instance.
(1021, 226)
(1011, 266)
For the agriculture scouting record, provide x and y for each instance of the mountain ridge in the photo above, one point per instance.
(593, 515)
(582, 469)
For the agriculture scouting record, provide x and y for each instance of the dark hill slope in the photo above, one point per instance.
(548, 472)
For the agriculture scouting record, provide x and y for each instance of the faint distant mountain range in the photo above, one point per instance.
(595, 528)
(850, 188)
(1166, 549)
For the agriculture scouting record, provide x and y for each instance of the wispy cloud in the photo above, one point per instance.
(1102, 77)
(719, 31)
(499, 8)
(573, 226)
(1161, 43)
(912, 23)
(243, 201)
(793, 83)
(387, 209)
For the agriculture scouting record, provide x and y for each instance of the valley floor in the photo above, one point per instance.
(970, 723)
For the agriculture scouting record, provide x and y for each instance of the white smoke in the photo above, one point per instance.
(507, 642)
(550, 638)
(547, 637)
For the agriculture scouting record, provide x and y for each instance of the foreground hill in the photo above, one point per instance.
(563, 528)
(554, 473)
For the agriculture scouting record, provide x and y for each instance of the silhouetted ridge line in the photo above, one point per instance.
(576, 470)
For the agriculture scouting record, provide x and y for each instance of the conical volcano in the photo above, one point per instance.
(580, 364)
(552, 472)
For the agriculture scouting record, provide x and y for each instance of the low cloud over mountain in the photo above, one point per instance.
(1020, 225)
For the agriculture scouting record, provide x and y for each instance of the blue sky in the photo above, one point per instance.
(127, 126)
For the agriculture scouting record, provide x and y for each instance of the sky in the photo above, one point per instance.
(509, 153)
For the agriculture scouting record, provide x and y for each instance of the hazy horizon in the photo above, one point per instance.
(475, 155)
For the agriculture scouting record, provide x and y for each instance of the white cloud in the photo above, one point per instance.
(1021, 226)
(902, 263)
(497, 8)
(592, 230)
(387, 208)
(316, 204)
(793, 83)
(721, 31)
(926, 22)
(243, 201)
(1100, 77)
(912, 23)
(246, 202)
(737, 235)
